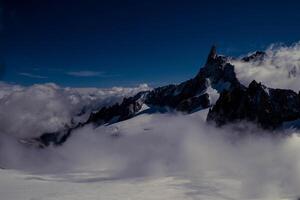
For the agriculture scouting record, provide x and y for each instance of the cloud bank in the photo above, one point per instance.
(279, 69)
(31, 111)
(216, 162)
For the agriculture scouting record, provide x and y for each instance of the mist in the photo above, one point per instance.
(161, 145)
(279, 69)
(237, 161)
(31, 111)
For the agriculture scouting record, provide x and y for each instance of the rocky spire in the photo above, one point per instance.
(212, 54)
(210, 65)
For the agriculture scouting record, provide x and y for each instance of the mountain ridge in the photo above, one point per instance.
(216, 76)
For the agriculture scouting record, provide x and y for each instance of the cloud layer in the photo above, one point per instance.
(217, 163)
(279, 69)
(30, 111)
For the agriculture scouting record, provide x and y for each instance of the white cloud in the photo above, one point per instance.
(280, 68)
(32, 75)
(30, 111)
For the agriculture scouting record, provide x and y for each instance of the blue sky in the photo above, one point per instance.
(87, 43)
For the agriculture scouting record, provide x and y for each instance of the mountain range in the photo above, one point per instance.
(215, 87)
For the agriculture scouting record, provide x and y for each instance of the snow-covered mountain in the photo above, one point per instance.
(195, 94)
(130, 142)
(270, 108)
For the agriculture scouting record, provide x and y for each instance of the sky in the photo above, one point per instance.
(93, 43)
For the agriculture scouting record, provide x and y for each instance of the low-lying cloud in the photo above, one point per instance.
(31, 111)
(215, 161)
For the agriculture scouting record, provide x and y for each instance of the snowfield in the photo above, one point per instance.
(157, 156)
(77, 186)
(91, 185)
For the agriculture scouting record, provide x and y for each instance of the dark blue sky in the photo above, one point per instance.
(124, 43)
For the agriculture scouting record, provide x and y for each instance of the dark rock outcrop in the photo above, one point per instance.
(219, 72)
(258, 56)
(267, 107)
(118, 112)
(186, 97)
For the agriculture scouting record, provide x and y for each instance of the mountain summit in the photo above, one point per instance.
(189, 96)
(215, 86)
(212, 54)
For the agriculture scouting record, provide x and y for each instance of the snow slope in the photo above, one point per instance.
(159, 156)
(89, 186)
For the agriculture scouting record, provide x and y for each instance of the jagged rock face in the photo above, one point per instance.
(186, 97)
(258, 56)
(118, 112)
(219, 71)
(194, 103)
(236, 102)
(257, 103)
(174, 96)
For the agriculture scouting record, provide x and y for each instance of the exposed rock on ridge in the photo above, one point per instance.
(188, 96)
(267, 107)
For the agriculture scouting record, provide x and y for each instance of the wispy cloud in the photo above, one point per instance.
(88, 73)
(32, 75)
